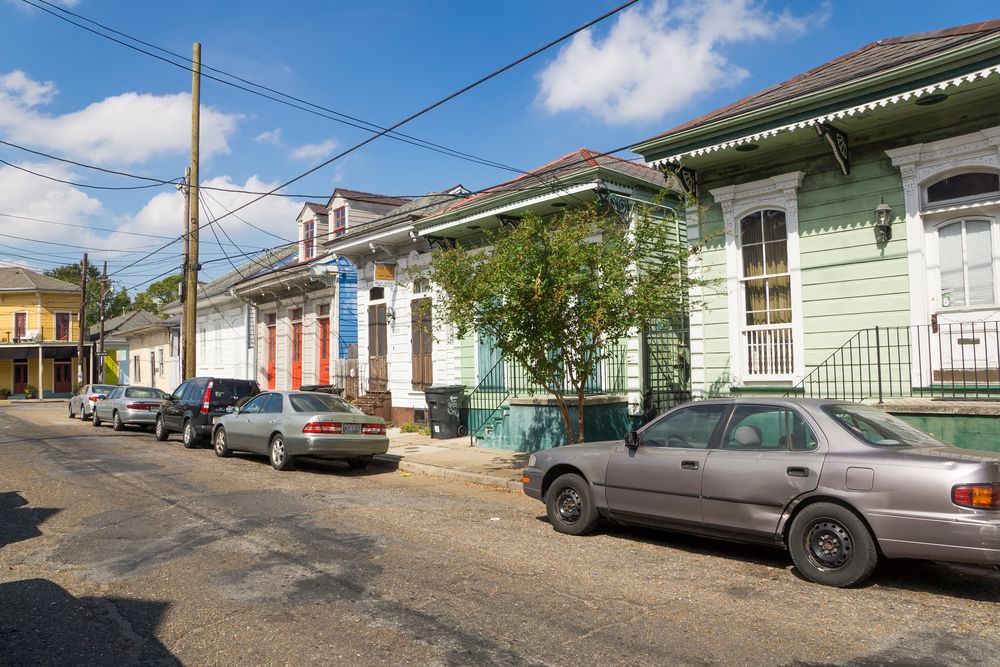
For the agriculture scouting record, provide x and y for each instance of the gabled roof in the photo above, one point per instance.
(369, 197)
(127, 320)
(421, 207)
(318, 209)
(870, 60)
(141, 324)
(16, 279)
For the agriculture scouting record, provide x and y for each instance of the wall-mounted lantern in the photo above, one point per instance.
(883, 222)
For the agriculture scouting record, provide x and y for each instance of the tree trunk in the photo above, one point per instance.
(567, 422)
(579, 411)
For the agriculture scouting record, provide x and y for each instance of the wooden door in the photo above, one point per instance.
(378, 367)
(422, 375)
(296, 355)
(63, 371)
(324, 350)
(272, 344)
(20, 376)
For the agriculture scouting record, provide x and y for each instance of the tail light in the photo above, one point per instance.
(206, 400)
(977, 496)
(323, 427)
(140, 406)
(373, 429)
(92, 399)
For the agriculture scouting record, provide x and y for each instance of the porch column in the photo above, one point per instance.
(41, 373)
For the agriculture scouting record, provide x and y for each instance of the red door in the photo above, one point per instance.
(63, 377)
(20, 376)
(324, 350)
(296, 355)
(272, 342)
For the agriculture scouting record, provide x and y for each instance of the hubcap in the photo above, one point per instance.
(278, 452)
(829, 544)
(220, 442)
(569, 504)
(187, 433)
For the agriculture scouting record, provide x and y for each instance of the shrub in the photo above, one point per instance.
(411, 427)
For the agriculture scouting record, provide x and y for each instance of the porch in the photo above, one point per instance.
(48, 368)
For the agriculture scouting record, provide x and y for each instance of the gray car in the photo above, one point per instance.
(129, 406)
(288, 424)
(82, 402)
(836, 484)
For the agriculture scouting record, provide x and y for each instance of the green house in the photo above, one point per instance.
(851, 219)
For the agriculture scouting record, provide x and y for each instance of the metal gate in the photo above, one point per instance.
(666, 370)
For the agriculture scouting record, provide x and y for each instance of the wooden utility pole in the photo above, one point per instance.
(185, 264)
(104, 288)
(83, 321)
(191, 296)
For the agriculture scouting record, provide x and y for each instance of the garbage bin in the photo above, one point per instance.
(444, 403)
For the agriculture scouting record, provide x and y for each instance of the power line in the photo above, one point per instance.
(80, 185)
(91, 227)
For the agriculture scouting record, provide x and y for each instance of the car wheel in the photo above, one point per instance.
(116, 421)
(96, 421)
(188, 437)
(359, 463)
(83, 412)
(830, 545)
(71, 413)
(570, 505)
(220, 443)
(160, 431)
(280, 460)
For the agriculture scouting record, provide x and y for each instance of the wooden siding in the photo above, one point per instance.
(28, 302)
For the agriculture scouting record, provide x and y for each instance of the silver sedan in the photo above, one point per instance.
(836, 484)
(82, 402)
(123, 406)
(288, 424)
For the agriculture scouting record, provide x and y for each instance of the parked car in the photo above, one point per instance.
(287, 424)
(836, 484)
(82, 402)
(190, 409)
(125, 406)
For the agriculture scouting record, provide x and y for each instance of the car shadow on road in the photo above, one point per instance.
(44, 624)
(19, 522)
(322, 466)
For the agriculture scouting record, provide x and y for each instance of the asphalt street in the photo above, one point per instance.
(117, 549)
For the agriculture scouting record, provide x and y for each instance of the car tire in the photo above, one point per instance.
(278, 454)
(188, 436)
(569, 504)
(359, 463)
(219, 440)
(831, 545)
(96, 421)
(160, 431)
(83, 413)
(116, 421)
(71, 413)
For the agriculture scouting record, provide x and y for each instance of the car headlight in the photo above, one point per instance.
(531, 461)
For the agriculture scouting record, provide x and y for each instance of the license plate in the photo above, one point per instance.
(352, 428)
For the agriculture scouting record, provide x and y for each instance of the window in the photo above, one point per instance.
(766, 288)
(143, 392)
(421, 326)
(421, 286)
(62, 326)
(254, 405)
(877, 428)
(217, 333)
(179, 392)
(308, 239)
(159, 361)
(295, 314)
(339, 221)
(491, 366)
(763, 428)
(966, 260)
(963, 186)
(321, 403)
(20, 325)
(135, 368)
(376, 294)
(689, 428)
(272, 405)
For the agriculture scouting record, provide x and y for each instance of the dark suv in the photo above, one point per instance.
(191, 407)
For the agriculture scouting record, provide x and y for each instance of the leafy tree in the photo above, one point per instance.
(115, 303)
(555, 293)
(158, 294)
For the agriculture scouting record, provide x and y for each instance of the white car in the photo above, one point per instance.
(82, 402)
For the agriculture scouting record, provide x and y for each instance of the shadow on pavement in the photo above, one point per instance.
(324, 466)
(43, 624)
(17, 522)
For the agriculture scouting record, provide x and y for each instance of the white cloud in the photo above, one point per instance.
(655, 60)
(27, 195)
(315, 151)
(269, 137)
(123, 129)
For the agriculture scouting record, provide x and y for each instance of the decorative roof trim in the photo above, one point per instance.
(832, 116)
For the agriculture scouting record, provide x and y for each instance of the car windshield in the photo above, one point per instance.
(143, 392)
(879, 429)
(230, 391)
(321, 403)
(101, 388)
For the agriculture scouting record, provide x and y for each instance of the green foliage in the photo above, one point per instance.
(31, 391)
(554, 293)
(4, 392)
(115, 304)
(412, 427)
(158, 294)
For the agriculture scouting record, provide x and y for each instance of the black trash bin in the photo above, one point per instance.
(444, 403)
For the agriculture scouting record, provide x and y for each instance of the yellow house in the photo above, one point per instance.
(39, 333)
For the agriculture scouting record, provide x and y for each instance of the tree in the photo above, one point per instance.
(158, 294)
(556, 293)
(115, 303)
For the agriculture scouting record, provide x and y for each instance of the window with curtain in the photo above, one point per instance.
(766, 281)
(966, 260)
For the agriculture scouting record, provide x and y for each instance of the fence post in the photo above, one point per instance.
(878, 364)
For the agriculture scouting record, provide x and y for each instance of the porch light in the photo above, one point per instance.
(883, 222)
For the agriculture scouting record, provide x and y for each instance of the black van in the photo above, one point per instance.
(191, 407)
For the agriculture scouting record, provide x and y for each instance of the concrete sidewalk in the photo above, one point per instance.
(454, 459)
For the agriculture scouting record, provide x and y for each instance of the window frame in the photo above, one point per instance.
(713, 438)
(69, 325)
(338, 221)
(935, 227)
(308, 239)
(720, 445)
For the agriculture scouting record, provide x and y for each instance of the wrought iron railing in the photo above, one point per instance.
(946, 360)
(508, 379)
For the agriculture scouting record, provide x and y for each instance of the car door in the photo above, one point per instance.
(659, 481)
(267, 422)
(173, 409)
(768, 455)
(106, 408)
(239, 427)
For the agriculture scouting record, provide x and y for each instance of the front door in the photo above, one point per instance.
(378, 367)
(420, 330)
(296, 355)
(659, 482)
(768, 456)
(20, 376)
(272, 346)
(324, 350)
(63, 377)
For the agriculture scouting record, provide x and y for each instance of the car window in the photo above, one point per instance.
(196, 391)
(179, 392)
(230, 391)
(254, 405)
(103, 388)
(272, 404)
(142, 392)
(879, 429)
(689, 427)
(321, 403)
(768, 428)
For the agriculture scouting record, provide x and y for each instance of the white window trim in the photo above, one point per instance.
(933, 279)
(919, 165)
(776, 193)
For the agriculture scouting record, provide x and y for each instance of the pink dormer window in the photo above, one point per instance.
(339, 221)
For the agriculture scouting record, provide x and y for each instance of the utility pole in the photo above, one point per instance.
(104, 288)
(191, 296)
(185, 264)
(83, 321)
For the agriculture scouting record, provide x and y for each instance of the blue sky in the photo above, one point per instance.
(70, 93)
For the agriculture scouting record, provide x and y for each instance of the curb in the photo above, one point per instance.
(449, 473)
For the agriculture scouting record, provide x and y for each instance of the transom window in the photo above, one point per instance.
(963, 186)
(967, 263)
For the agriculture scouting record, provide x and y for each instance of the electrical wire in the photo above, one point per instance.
(90, 227)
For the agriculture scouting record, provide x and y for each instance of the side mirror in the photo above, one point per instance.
(632, 440)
